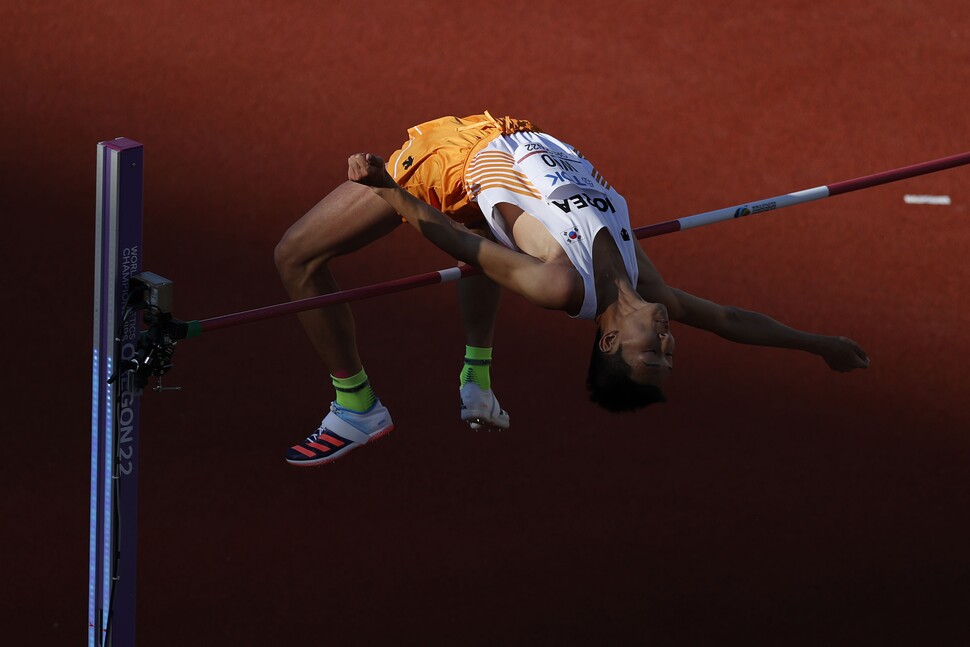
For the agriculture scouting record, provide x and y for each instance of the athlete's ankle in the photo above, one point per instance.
(354, 393)
(476, 367)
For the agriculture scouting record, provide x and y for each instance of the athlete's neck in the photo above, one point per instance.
(615, 296)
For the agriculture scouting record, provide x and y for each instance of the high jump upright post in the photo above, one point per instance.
(114, 397)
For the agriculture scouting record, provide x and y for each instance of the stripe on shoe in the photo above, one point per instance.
(332, 439)
(326, 443)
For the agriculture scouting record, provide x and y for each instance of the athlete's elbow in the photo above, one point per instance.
(731, 315)
(553, 295)
(730, 322)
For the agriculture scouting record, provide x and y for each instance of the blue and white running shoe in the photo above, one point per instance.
(340, 432)
(480, 408)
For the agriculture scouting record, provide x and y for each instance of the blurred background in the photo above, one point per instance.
(770, 501)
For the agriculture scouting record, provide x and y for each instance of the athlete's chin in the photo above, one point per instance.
(655, 378)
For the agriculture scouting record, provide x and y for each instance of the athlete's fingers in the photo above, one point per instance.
(360, 168)
(860, 354)
(845, 355)
(355, 167)
(365, 168)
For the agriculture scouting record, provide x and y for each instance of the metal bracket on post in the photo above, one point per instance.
(115, 403)
(152, 357)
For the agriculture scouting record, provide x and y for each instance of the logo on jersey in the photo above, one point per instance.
(624, 234)
(572, 235)
(582, 201)
(408, 162)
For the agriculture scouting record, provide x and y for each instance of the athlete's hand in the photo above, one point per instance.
(368, 169)
(842, 354)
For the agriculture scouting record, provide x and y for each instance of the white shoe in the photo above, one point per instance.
(480, 408)
(339, 433)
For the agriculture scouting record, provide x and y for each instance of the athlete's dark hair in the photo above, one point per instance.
(610, 385)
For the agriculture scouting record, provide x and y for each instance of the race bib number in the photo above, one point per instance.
(554, 173)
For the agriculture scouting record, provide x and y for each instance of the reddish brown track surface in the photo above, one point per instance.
(771, 501)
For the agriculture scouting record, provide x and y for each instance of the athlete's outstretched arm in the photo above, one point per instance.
(548, 286)
(747, 327)
(744, 326)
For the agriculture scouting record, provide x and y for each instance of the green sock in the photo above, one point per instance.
(477, 361)
(354, 392)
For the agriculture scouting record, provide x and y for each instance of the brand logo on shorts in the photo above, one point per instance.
(572, 235)
(408, 162)
(624, 234)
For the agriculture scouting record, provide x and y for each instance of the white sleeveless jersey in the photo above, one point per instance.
(550, 181)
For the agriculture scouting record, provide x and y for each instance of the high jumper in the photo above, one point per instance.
(538, 219)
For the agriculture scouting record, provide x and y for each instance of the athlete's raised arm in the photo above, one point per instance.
(548, 286)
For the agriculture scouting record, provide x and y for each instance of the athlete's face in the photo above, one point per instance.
(646, 344)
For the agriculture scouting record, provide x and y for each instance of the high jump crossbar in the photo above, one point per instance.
(454, 273)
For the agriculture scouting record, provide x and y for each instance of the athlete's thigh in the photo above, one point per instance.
(349, 218)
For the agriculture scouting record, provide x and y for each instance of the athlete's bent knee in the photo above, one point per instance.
(293, 262)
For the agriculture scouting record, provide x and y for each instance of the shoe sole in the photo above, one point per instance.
(343, 451)
(476, 420)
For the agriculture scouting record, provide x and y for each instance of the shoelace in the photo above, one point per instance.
(316, 434)
(312, 438)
